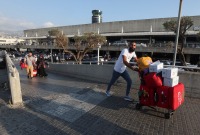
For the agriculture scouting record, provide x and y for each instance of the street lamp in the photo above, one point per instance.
(177, 32)
(99, 46)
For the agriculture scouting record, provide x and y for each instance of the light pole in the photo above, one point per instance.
(177, 32)
(63, 56)
(99, 46)
(51, 56)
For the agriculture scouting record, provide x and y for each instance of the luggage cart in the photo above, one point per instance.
(166, 97)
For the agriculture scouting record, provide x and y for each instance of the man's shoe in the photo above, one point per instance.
(108, 94)
(27, 76)
(127, 98)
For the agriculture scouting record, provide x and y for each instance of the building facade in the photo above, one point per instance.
(147, 30)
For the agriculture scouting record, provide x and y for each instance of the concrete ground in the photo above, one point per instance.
(61, 105)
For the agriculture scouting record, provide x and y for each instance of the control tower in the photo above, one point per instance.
(96, 16)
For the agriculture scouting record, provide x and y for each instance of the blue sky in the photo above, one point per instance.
(18, 15)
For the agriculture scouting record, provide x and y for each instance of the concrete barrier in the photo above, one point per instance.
(102, 73)
(14, 82)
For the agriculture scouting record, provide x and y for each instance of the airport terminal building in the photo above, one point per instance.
(149, 31)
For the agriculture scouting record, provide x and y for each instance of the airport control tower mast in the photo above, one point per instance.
(96, 16)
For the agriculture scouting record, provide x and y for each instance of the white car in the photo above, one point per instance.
(121, 42)
(141, 45)
(101, 59)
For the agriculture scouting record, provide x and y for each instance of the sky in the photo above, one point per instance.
(19, 15)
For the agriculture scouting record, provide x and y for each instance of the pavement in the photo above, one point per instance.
(62, 105)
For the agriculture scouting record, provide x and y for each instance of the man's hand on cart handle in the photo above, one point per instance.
(135, 68)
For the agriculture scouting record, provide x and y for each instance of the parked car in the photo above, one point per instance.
(166, 62)
(121, 42)
(101, 59)
(86, 58)
(141, 45)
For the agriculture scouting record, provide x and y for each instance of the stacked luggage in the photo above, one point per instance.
(160, 87)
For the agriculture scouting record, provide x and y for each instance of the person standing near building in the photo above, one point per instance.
(30, 61)
(41, 67)
(120, 69)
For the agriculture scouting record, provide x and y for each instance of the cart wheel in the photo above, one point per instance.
(138, 106)
(167, 115)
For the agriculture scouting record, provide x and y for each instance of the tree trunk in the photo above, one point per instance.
(180, 51)
(80, 59)
(181, 57)
(80, 62)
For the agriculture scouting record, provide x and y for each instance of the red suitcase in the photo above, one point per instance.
(146, 96)
(170, 97)
(34, 73)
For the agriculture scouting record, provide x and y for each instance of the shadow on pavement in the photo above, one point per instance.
(21, 121)
(4, 87)
(88, 123)
(88, 95)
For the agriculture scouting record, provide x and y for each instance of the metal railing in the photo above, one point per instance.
(192, 68)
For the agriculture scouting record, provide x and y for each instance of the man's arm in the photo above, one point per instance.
(33, 59)
(24, 59)
(135, 59)
(126, 63)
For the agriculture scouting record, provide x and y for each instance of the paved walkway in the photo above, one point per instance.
(60, 105)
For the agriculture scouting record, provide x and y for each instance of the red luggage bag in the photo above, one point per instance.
(34, 73)
(146, 96)
(170, 97)
(23, 65)
(152, 80)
